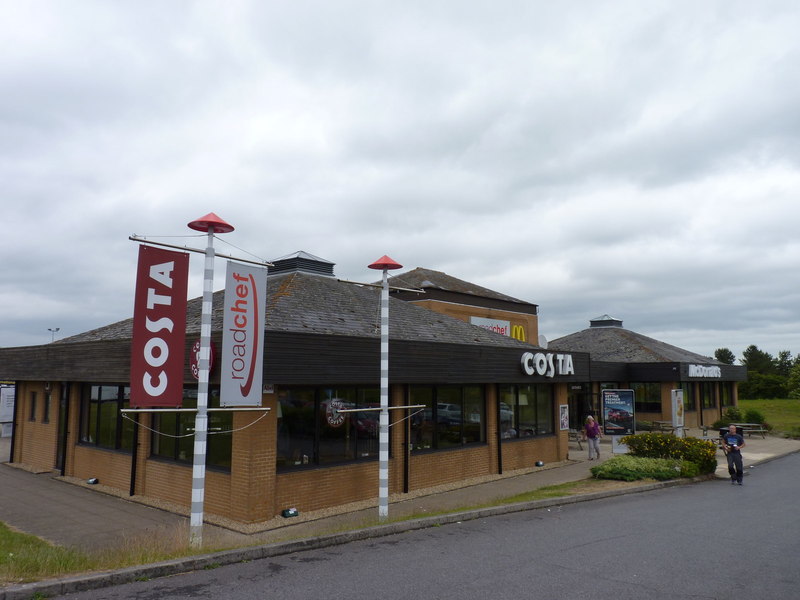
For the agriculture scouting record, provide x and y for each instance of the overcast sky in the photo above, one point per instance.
(640, 159)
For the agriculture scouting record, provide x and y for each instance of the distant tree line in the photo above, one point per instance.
(767, 376)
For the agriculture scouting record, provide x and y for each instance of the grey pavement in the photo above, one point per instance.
(71, 515)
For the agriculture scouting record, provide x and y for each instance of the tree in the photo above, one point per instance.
(762, 386)
(724, 355)
(783, 364)
(758, 360)
(793, 384)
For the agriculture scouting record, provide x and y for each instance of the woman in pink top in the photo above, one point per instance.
(592, 434)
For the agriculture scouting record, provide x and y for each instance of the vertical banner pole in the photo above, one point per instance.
(201, 420)
(384, 264)
(383, 442)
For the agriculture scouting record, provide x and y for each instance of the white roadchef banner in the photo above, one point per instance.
(242, 361)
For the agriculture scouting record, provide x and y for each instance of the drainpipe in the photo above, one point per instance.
(407, 447)
(134, 454)
(14, 421)
(498, 434)
(65, 393)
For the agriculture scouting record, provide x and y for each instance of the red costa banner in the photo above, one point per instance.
(159, 328)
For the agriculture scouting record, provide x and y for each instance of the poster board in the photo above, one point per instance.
(618, 412)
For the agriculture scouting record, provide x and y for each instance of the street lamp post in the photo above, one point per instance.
(53, 331)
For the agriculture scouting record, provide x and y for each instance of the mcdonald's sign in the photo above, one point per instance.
(518, 333)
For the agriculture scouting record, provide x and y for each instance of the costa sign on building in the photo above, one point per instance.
(242, 362)
(547, 364)
(159, 328)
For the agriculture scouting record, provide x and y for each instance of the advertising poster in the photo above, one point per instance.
(618, 413)
(6, 410)
(677, 412)
(242, 360)
(159, 328)
(563, 416)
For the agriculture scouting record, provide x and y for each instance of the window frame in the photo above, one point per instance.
(536, 396)
(33, 399)
(170, 440)
(437, 426)
(689, 403)
(652, 391)
(116, 433)
(320, 437)
(708, 396)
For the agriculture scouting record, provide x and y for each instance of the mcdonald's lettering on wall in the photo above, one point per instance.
(518, 333)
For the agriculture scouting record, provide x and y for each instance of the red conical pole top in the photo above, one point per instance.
(384, 262)
(205, 223)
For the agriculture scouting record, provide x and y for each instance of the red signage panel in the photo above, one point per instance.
(159, 328)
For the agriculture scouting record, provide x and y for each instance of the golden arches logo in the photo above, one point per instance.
(518, 333)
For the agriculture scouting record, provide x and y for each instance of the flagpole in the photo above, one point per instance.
(209, 223)
(384, 264)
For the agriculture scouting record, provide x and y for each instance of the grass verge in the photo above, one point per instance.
(783, 414)
(25, 558)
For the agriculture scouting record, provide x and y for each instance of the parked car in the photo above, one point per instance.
(448, 412)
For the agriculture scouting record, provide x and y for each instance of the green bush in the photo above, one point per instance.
(731, 415)
(633, 468)
(751, 415)
(664, 445)
(793, 433)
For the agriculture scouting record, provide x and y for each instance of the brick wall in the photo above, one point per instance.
(253, 491)
(36, 440)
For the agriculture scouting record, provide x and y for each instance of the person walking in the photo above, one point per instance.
(592, 435)
(732, 444)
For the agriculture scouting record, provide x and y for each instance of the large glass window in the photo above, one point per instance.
(688, 396)
(452, 416)
(726, 393)
(647, 397)
(173, 435)
(102, 423)
(526, 410)
(312, 431)
(707, 394)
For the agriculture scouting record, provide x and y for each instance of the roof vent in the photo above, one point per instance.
(302, 262)
(605, 321)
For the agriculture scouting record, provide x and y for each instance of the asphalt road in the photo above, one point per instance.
(702, 541)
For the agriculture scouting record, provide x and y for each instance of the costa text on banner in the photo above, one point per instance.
(159, 328)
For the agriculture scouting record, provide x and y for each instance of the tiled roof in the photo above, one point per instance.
(307, 303)
(420, 278)
(615, 344)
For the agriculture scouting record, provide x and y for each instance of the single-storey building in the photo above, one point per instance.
(492, 400)
(624, 359)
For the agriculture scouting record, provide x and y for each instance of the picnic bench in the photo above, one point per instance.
(713, 436)
(668, 427)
